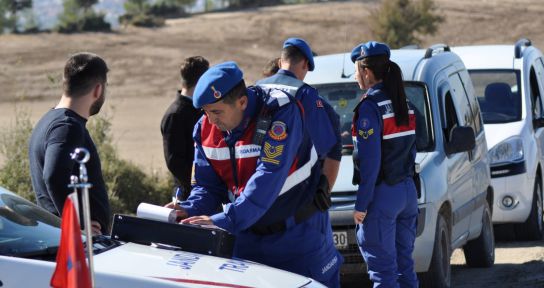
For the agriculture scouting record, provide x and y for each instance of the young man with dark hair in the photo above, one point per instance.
(61, 130)
(295, 62)
(266, 175)
(177, 126)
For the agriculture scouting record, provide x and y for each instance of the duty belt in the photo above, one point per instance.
(320, 203)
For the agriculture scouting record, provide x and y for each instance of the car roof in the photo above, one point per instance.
(486, 56)
(330, 68)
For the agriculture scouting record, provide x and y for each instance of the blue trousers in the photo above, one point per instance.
(306, 249)
(386, 237)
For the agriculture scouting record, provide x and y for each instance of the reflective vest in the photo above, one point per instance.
(282, 82)
(397, 157)
(236, 164)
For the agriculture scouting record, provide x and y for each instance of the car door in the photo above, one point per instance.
(455, 110)
(479, 162)
(536, 83)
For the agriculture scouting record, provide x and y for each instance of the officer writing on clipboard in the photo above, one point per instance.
(253, 153)
(385, 150)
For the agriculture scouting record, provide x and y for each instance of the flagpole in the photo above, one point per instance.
(82, 156)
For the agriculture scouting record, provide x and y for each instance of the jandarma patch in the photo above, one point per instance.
(366, 133)
(278, 131)
(271, 153)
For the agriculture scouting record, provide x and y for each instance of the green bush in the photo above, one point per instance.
(142, 20)
(74, 20)
(127, 184)
(15, 174)
(403, 22)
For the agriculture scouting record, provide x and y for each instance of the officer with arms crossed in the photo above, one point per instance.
(385, 150)
(61, 130)
(295, 62)
(253, 153)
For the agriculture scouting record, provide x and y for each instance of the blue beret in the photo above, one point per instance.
(303, 47)
(369, 49)
(216, 83)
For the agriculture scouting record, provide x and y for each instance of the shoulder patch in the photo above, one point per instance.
(278, 131)
(366, 133)
(272, 153)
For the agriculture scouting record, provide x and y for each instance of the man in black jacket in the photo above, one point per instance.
(177, 126)
(61, 130)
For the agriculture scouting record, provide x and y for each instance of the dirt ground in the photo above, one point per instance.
(144, 76)
(517, 265)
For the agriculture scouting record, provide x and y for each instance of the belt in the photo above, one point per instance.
(320, 203)
(303, 213)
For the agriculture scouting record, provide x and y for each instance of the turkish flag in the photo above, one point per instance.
(71, 270)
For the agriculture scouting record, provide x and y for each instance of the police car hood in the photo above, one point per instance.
(193, 270)
(496, 133)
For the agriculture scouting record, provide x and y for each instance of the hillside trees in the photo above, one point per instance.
(403, 22)
(10, 13)
(79, 16)
(146, 14)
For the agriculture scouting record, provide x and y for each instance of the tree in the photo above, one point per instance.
(402, 22)
(78, 16)
(253, 3)
(10, 11)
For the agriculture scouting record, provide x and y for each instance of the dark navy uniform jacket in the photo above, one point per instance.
(270, 177)
(284, 178)
(385, 151)
(319, 116)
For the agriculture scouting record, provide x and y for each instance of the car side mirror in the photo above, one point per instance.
(538, 123)
(462, 140)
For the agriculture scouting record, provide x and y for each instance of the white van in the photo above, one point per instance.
(453, 180)
(509, 84)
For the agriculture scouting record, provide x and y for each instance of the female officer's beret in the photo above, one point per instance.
(369, 49)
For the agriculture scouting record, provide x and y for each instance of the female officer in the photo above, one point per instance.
(385, 148)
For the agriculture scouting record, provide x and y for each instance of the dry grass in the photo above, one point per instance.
(144, 62)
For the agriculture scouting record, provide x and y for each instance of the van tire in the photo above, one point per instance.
(532, 228)
(439, 274)
(480, 252)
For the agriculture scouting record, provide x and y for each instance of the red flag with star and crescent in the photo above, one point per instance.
(71, 270)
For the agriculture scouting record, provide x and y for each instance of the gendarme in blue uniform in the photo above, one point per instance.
(385, 155)
(323, 121)
(261, 184)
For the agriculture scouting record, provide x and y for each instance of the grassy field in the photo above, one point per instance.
(144, 62)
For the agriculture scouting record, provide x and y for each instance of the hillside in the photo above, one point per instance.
(144, 62)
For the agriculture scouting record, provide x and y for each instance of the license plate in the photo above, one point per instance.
(340, 239)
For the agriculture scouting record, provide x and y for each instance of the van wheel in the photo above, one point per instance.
(480, 252)
(532, 228)
(439, 274)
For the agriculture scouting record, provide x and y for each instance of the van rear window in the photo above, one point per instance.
(498, 94)
(344, 97)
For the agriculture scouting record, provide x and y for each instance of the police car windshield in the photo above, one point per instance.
(345, 96)
(498, 94)
(25, 229)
